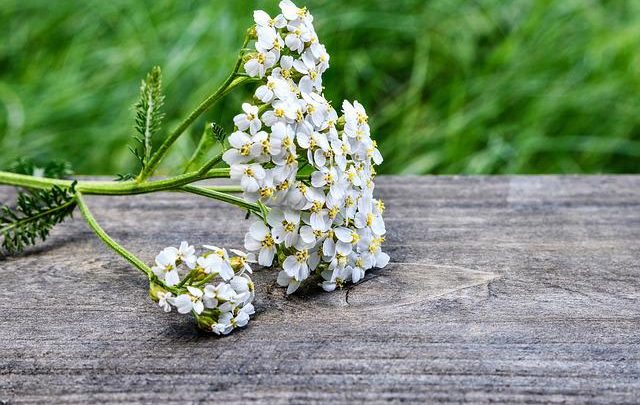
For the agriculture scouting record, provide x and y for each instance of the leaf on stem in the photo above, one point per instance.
(212, 132)
(33, 217)
(55, 169)
(149, 115)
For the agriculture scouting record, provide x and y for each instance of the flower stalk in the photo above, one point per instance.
(304, 170)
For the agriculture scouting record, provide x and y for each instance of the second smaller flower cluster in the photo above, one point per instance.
(215, 287)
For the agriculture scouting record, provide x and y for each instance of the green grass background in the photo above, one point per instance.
(484, 86)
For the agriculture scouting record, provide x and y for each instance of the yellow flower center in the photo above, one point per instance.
(348, 201)
(369, 219)
(288, 226)
(283, 186)
(302, 256)
(356, 238)
(266, 147)
(291, 159)
(266, 192)
(316, 206)
(268, 241)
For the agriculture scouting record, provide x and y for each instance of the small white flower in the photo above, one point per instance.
(300, 264)
(285, 280)
(311, 79)
(262, 19)
(249, 176)
(163, 303)
(223, 326)
(285, 111)
(213, 263)
(186, 303)
(292, 12)
(240, 151)
(165, 267)
(186, 254)
(242, 317)
(248, 120)
(215, 295)
(244, 259)
(284, 226)
(259, 62)
(367, 217)
(259, 239)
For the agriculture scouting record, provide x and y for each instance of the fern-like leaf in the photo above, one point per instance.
(149, 115)
(33, 216)
(218, 132)
(212, 132)
(56, 169)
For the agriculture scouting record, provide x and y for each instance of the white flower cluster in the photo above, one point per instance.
(219, 307)
(312, 168)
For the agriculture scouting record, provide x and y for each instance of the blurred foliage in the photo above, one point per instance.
(484, 86)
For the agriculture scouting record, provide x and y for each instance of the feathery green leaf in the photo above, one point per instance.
(56, 169)
(33, 217)
(149, 115)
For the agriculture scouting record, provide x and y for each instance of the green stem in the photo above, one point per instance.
(226, 87)
(234, 80)
(220, 196)
(128, 256)
(204, 280)
(113, 187)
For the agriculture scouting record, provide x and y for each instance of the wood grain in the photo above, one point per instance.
(501, 289)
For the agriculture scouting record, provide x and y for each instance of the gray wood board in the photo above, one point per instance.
(503, 289)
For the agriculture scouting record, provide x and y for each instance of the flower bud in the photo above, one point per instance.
(154, 289)
(252, 33)
(205, 321)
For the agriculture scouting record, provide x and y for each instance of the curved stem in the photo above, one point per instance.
(97, 229)
(24, 180)
(234, 80)
(228, 198)
(112, 187)
(226, 87)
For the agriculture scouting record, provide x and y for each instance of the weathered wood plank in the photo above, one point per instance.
(500, 289)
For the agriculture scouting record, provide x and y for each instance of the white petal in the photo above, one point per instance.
(258, 230)
(293, 286)
(344, 234)
(250, 243)
(196, 292)
(265, 258)
(198, 307)
(172, 278)
(291, 266)
(382, 259)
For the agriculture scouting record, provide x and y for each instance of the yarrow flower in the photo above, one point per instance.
(215, 287)
(312, 168)
(304, 169)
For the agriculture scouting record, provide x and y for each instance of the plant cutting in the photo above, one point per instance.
(303, 172)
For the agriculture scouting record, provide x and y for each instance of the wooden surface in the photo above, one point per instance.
(502, 289)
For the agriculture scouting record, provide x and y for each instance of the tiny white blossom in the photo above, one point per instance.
(248, 120)
(163, 303)
(259, 62)
(259, 239)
